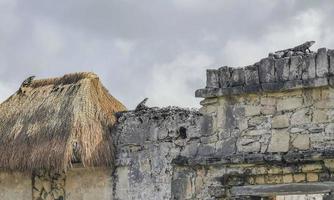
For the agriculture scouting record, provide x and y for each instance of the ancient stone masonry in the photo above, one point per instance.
(264, 130)
(305, 70)
(48, 185)
(148, 141)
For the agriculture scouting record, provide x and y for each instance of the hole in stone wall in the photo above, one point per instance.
(183, 132)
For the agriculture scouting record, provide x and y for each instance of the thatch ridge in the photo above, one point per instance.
(38, 127)
(66, 79)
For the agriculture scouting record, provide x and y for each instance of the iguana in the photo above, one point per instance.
(141, 105)
(27, 81)
(304, 48)
(25, 84)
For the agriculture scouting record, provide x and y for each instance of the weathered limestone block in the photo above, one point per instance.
(331, 61)
(316, 167)
(301, 142)
(48, 185)
(329, 164)
(248, 145)
(226, 147)
(309, 67)
(281, 121)
(330, 128)
(259, 180)
(182, 184)
(225, 76)
(327, 94)
(324, 104)
(252, 75)
(274, 179)
(301, 116)
(296, 130)
(275, 170)
(256, 132)
(299, 178)
(38, 184)
(206, 150)
(287, 178)
(190, 150)
(268, 110)
(209, 139)
(296, 66)
(252, 110)
(212, 78)
(319, 116)
(328, 197)
(312, 177)
(257, 120)
(267, 70)
(289, 103)
(322, 62)
(268, 101)
(237, 77)
(279, 142)
(282, 69)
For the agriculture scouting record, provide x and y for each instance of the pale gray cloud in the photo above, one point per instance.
(153, 48)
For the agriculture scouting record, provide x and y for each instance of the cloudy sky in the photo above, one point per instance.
(151, 48)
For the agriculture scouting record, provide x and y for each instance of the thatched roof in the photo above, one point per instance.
(45, 123)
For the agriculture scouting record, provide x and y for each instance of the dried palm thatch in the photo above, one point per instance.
(44, 124)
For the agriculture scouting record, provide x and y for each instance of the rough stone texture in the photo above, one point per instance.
(240, 145)
(237, 77)
(331, 62)
(224, 76)
(232, 143)
(322, 63)
(281, 121)
(296, 66)
(150, 143)
(212, 79)
(267, 70)
(48, 185)
(308, 70)
(252, 75)
(282, 69)
(279, 141)
(305, 70)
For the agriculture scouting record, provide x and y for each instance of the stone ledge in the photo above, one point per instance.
(270, 75)
(257, 158)
(283, 189)
(265, 87)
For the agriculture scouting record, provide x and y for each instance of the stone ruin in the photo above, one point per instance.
(264, 131)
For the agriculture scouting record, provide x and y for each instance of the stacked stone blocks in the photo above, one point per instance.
(270, 74)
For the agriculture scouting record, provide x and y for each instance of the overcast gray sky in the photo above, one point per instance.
(151, 48)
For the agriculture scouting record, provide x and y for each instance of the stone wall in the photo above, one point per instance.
(173, 153)
(147, 142)
(48, 185)
(270, 74)
(279, 122)
(15, 185)
(76, 184)
(264, 130)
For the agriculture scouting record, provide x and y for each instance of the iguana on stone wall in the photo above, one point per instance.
(25, 84)
(27, 81)
(141, 105)
(300, 49)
